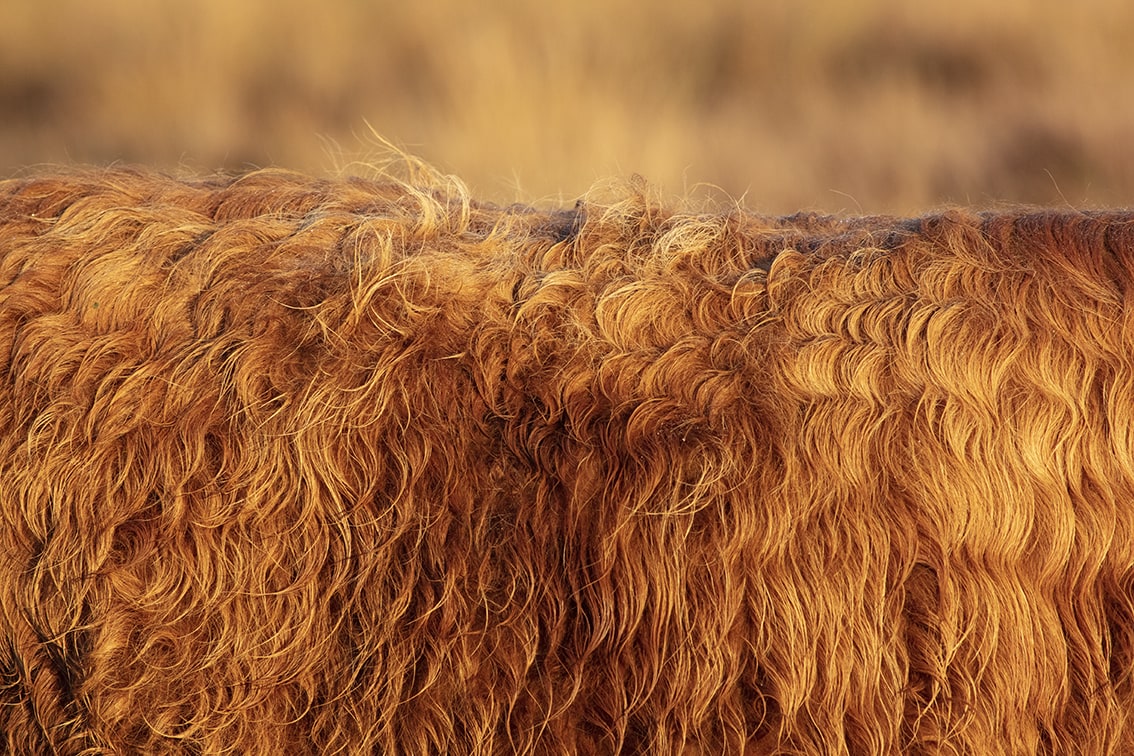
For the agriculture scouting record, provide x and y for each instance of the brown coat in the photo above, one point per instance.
(349, 466)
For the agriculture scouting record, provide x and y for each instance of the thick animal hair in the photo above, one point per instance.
(344, 465)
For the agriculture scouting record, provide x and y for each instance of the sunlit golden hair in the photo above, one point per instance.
(351, 466)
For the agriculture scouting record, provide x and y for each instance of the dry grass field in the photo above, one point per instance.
(852, 105)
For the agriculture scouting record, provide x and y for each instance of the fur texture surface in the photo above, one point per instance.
(351, 466)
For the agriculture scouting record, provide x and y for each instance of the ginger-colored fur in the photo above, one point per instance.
(294, 465)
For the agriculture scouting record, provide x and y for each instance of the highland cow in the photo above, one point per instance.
(363, 466)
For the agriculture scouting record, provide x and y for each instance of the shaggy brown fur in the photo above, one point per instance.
(346, 466)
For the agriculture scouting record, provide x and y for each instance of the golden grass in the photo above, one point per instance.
(871, 105)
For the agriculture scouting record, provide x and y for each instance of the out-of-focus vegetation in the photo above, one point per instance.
(856, 105)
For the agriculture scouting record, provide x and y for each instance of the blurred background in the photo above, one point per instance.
(833, 105)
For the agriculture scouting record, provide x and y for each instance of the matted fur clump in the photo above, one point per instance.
(341, 466)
